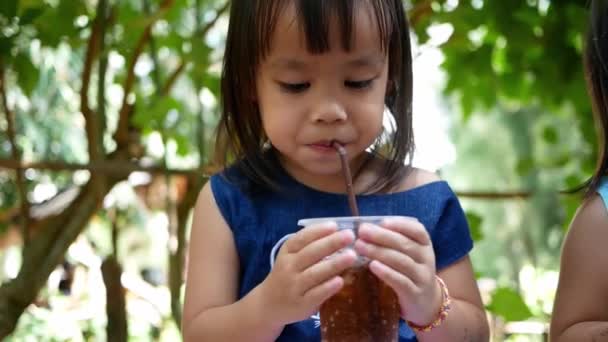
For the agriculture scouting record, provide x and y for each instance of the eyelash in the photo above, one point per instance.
(297, 88)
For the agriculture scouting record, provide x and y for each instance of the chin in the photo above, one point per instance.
(329, 169)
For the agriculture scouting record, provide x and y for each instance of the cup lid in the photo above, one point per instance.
(346, 219)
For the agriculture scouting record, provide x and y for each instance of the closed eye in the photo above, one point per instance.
(359, 84)
(294, 87)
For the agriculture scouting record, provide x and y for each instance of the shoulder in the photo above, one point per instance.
(416, 177)
(223, 193)
(588, 233)
(583, 281)
(206, 200)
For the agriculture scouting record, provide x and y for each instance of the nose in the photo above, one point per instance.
(329, 112)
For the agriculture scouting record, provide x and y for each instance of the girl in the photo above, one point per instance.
(580, 312)
(299, 75)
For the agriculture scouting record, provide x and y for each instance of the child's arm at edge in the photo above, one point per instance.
(579, 312)
(466, 319)
(211, 311)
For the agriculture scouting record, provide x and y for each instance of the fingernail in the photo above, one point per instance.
(360, 246)
(348, 233)
(351, 254)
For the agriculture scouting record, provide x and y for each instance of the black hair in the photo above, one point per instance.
(240, 138)
(596, 75)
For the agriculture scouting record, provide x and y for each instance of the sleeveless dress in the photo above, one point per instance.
(602, 190)
(260, 220)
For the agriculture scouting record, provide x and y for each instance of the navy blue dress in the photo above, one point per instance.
(259, 221)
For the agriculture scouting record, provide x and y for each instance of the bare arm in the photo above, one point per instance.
(466, 320)
(211, 309)
(302, 279)
(579, 313)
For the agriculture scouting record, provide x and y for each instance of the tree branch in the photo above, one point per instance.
(107, 167)
(489, 195)
(45, 252)
(104, 10)
(201, 32)
(153, 52)
(93, 49)
(122, 132)
(420, 11)
(173, 78)
(177, 258)
(122, 168)
(16, 154)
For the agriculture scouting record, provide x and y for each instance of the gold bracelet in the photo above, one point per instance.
(441, 315)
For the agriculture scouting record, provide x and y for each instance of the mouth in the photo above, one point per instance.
(325, 145)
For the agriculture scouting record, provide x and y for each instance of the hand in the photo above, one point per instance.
(402, 256)
(303, 277)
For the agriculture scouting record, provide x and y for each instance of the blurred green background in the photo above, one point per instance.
(107, 112)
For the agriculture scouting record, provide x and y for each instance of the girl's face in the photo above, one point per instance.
(307, 100)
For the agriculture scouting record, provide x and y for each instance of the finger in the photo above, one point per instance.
(397, 281)
(309, 234)
(323, 247)
(388, 238)
(396, 260)
(324, 291)
(409, 227)
(327, 269)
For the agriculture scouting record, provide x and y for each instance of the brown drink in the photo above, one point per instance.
(365, 309)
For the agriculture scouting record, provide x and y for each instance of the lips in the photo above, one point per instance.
(323, 146)
(324, 143)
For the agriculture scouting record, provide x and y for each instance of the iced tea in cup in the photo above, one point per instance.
(365, 309)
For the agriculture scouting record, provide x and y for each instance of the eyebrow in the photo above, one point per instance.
(367, 61)
(299, 65)
(288, 64)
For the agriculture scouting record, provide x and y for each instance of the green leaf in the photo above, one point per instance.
(3, 227)
(8, 8)
(6, 43)
(550, 135)
(524, 166)
(573, 181)
(155, 116)
(27, 73)
(30, 14)
(200, 57)
(183, 145)
(212, 82)
(508, 303)
(31, 3)
(58, 23)
(475, 225)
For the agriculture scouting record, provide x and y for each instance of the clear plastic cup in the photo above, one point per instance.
(365, 309)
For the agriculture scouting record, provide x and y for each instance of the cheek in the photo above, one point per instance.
(276, 124)
(371, 122)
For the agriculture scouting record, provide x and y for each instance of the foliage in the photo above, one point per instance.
(521, 120)
(514, 79)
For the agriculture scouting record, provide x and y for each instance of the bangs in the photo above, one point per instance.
(314, 17)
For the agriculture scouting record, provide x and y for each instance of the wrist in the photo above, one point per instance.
(263, 309)
(423, 315)
(439, 315)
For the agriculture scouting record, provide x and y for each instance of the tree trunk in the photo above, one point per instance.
(45, 251)
(117, 328)
(177, 258)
